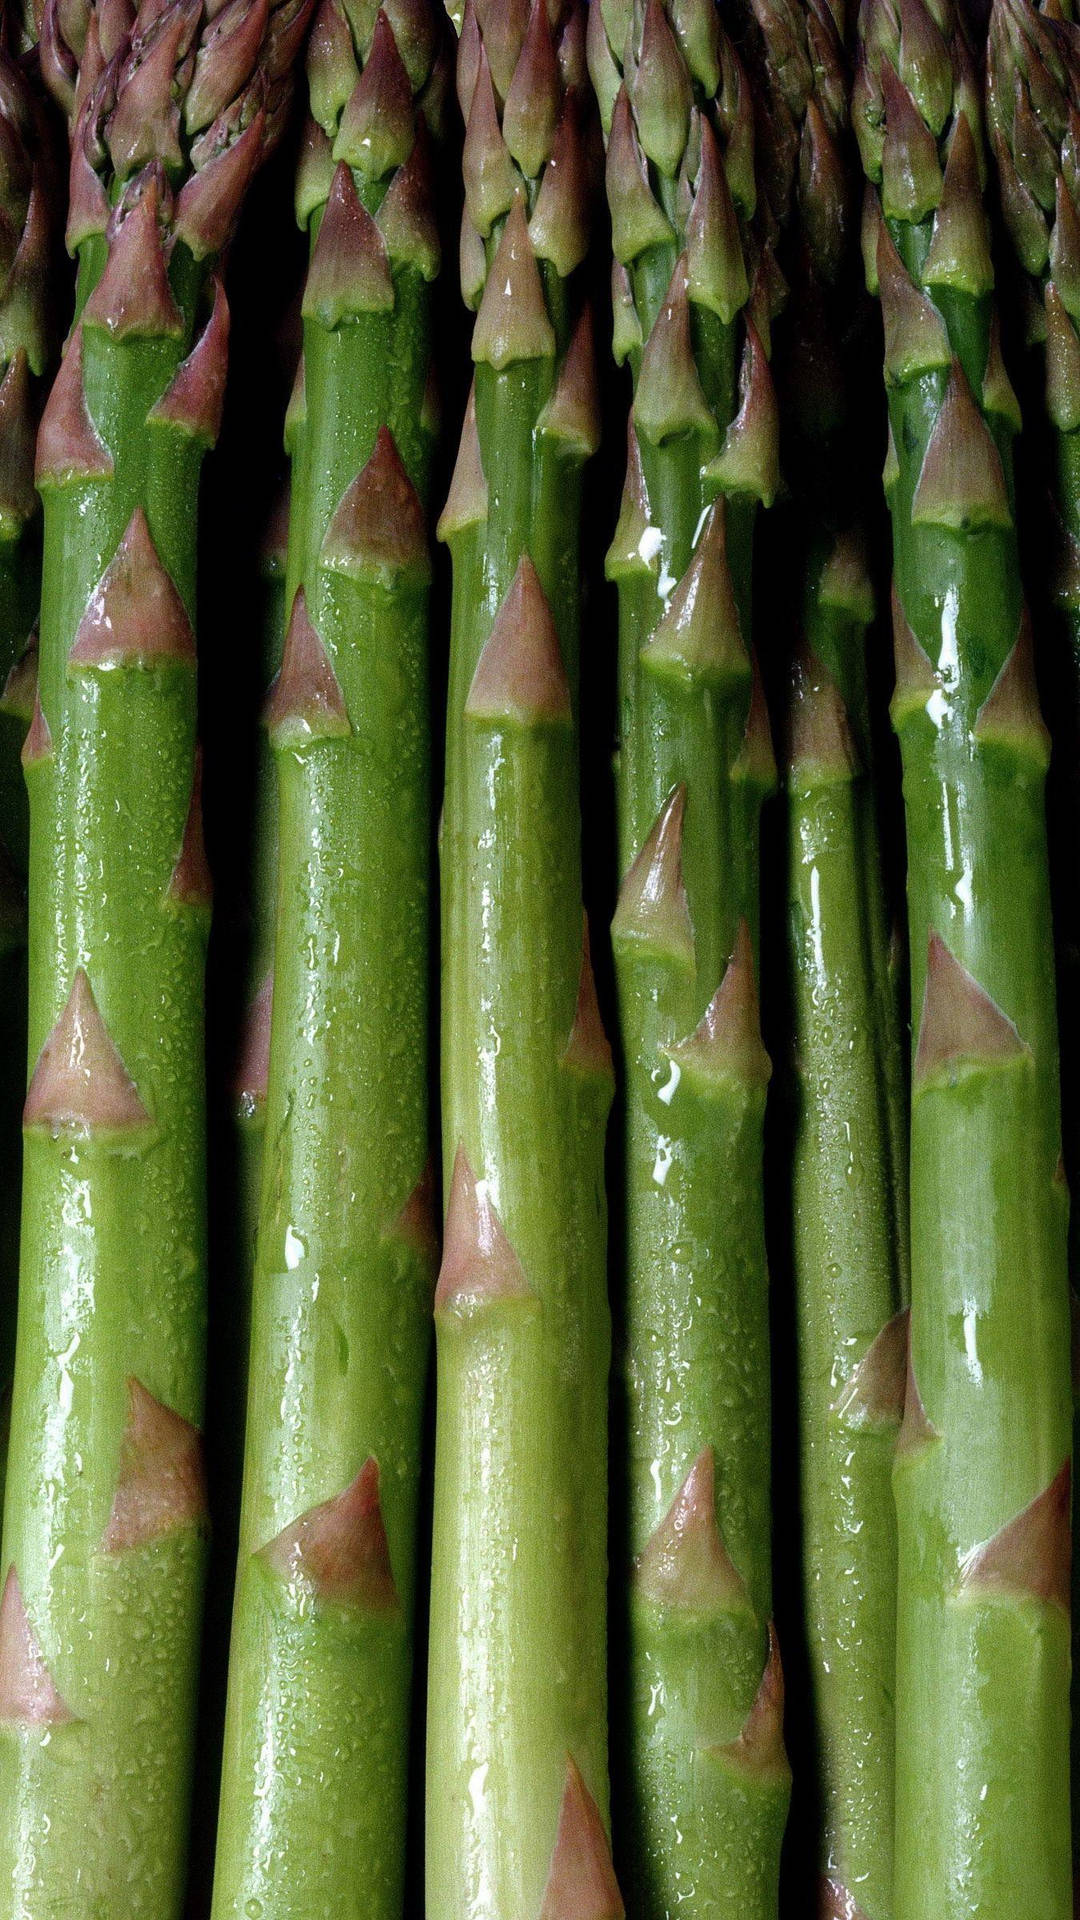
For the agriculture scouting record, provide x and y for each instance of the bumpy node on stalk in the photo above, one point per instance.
(669, 399)
(636, 544)
(755, 763)
(581, 1882)
(759, 1750)
(190, 884)
(467, 501)
(915, 337)
(80, 1083)
(512, 323)
(572, 415)
(38, 745)
(917, 1430)
(999, 399)
(29, 1696)
(961, 484)
(700, 635)
(479, 1265)
(1031, 1555)
(194, 400)
(588, 1051)
(726, 1044)
(17, 501)
(20, 688)
(715, 258)
(338, 1551)
(916, 678)
(652, 907)
(836, 1903)
(349, 273)
(1010, 714)
(1062, 363)
(960, 1025)
(520, 674)
(959, 255)
(69, 446)
(749, 460)
(134, 616)
(133, 298)
(638, 221)
(253, 1073)
(377, 531)
(414, 1223)
(161, 1482)
(685, 1564)
(820, 745)
(305, 703)
(376, 129)
(874, 1392)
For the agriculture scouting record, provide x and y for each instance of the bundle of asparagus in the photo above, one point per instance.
(740, 343)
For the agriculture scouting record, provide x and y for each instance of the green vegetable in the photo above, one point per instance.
(706, 1779)
(982, 1467)
(321, 1660)
(517, 1731)
(104, 1536)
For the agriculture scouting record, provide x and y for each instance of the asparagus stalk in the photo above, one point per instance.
(104, 1536)
(26, 239)
(321, 1659)
(847, 1131)
(517, 1737)
(982, 1467)
(707, 1783)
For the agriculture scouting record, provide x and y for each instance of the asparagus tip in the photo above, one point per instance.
(305, 701)
(377, 531)
(69, 445)
(512, 323)
(700, 633)
(520, 671)
(961, 483)
(467, 500)
(349, 273)
(133, 296)
(195, 398)
(652, 904)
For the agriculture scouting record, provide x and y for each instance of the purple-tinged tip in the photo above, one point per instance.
(377, 531)
(638, 221)
(636, 544)
(195, 397)
(253, 1073)
(38, 744)
(998, 393)
(69, 446)
(1010, 713)
(910, 169)
(520, 674)
(874, 1392)
(415, 1223)
(134, 616)
(338, 1551)
(190, 884)
(491, 179)
(915, 337)
(959, 255)
(406, 218)
(559, 227)
(467, 501)
(17, 501)
(684, 1564)
(587, 1051)
(715, 262)
(160, 1483)
(759, 1749)
(350, 268)
(756, 763)
(29, 1696)
(572, 415)
(133, 298)
(669, 398)
(377, 127)
(916, 679)
(726, 1044)
(479, 1265)
(20, 688)
(581, 1883)
(652, 905)
(1031, 1555)
(961, 1026)
(80, 1084)
(513, 322)
(88, 204)
(917, 1430)
(210, 198)
(961, 484)
(305, 703)
(749, 460)
(699, 637)
(836, 1903)
(820, 745)
(531, 111)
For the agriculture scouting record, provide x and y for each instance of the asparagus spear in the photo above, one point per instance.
(845, 1142)
(104, 1534)
(982, 1468)
(1033, 108)
(517, 1738)
(707, 1782)
(321, 1657)
(27, 223)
